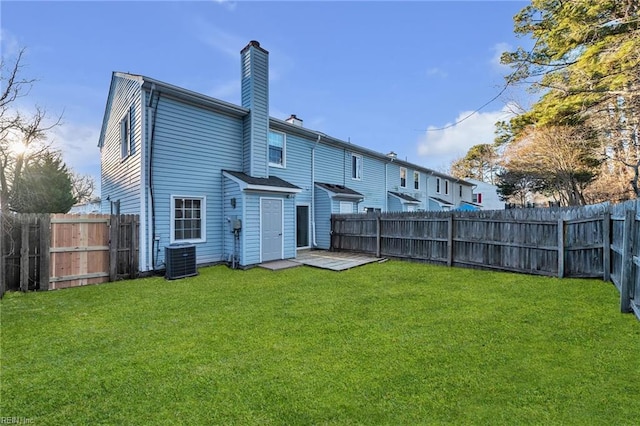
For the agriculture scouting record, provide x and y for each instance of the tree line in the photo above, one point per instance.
(33, 176)
(579, 143)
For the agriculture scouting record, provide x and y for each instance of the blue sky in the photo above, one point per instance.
(377, 74)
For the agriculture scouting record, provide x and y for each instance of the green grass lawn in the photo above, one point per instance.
(392, 343)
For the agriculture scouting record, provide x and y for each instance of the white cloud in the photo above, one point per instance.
(9, 44)
(440, 147)
(227, 4)
(437, 72)
(218, 39)
(79, 146)
(498, 49)
(228, 90)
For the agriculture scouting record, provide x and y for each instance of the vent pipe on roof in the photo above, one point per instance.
(294, 120)
(392, 155)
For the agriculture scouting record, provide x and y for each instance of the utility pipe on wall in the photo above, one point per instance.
(313, 192)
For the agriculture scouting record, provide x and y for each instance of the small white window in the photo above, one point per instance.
(460, 191)
(438, 185)
(126, 141)
(277, 149)
(403, 177)
(446, 187)
(356, 167)
(188, 219)
(416, 180)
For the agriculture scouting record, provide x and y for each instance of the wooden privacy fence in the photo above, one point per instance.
(600, 241)
(46, 252)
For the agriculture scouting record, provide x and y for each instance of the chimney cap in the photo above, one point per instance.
(392, 155)
(253, 43)
(293, 119)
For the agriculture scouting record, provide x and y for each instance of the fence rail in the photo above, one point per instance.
(43, 252)
(601, 241)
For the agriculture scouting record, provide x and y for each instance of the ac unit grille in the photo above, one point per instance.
(180, 261)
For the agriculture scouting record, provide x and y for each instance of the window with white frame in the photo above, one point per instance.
(477, 198)
(126, 141)
(446, 187)
(403, 177)
(188, 219)
(277, 149)
(438, 185)
(356, 167)
(416, 180)
(460, 191)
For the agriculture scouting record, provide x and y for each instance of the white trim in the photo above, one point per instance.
(142, 232)
(281, 224)
(203, 218)
(284, 150)
(126, 134)
(308, 205)
(405, 177)
(360, 169)
(265, 188)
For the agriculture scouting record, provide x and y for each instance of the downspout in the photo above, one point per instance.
(386, 188)
(155, 241)
(313, 192)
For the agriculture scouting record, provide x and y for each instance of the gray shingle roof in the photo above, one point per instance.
(405, 197)
(339, 189)
(270, 181)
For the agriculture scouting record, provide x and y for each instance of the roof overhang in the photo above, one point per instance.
(404, 198)
(339, 191)
(443, 203)
(269, 184)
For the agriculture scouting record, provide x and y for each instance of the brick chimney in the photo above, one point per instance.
(255, 97)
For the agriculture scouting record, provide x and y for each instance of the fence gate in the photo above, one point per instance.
(41, 251)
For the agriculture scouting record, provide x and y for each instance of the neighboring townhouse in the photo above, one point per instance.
(485, 195)
(240, 185)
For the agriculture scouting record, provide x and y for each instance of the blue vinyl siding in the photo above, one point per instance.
(231, 190)
(323, 219)
(395, 205)
(191, 147)
(255, 96)
(251, 228)
(298, 170)
(120, 178)
(289, 234)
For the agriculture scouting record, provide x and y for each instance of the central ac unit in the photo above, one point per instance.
(180, 260)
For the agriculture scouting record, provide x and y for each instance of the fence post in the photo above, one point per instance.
(626, 275)
(114, 230)
(378, 236)
(606, 246)
(133, 247)
(24, 253)
(561, 248)
(450, 240)
(45, 247)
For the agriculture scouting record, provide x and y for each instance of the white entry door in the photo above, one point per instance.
(271, 225)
